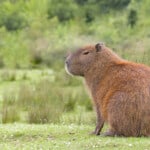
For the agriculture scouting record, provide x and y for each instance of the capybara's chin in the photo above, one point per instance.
(71, 70)
(120, 89)
(68, 70)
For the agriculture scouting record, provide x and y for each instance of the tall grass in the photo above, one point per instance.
(42, 102)
(10, 110)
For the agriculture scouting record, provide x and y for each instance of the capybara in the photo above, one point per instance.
(120, 89)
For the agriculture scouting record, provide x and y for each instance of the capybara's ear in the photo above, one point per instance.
(98, 46)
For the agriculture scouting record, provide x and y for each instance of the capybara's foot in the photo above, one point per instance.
(98, 128)
(94, 133)
(109, 133)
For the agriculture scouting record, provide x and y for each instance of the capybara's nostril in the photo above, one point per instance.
(66, 62)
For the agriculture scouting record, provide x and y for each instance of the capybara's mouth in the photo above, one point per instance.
(67, 68)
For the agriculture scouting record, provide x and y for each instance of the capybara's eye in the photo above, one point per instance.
(86, 52)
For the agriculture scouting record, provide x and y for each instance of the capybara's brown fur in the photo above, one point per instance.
(120, 89)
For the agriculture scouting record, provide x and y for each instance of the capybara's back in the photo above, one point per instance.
(128, 103)
(120, 89)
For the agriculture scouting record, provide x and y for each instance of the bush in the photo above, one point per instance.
(106, 6)
(81, 2)
(36, 58)
(13, 22)
(90, 14)
(11, 16)
(64, 10)
(132, 18)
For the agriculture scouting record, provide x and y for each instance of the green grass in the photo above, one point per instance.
(71, 133)
(63, 137)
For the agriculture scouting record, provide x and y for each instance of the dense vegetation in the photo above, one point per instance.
(38, 33)
(34, 38)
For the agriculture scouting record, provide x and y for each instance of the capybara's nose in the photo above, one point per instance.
(66, 62)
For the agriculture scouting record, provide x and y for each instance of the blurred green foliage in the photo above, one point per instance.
(11, 15)
(38, 33)
(64, 9)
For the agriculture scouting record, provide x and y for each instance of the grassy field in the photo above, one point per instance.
(72, 131)
(63, 137)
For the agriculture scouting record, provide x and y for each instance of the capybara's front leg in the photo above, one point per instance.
(99, 124)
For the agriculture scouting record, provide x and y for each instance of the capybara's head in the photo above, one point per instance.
(84, 59)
